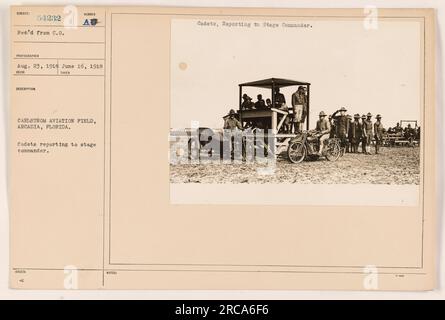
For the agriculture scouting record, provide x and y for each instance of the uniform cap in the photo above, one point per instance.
(369, 114)
(343, 109)
(356, 116)
(322, 114)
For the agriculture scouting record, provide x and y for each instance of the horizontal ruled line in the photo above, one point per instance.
(217, 270)
(38, 58)
(58, 75)
(61, 42)
(56, 26)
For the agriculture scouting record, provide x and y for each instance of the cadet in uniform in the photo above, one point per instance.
(410, 134)
(247, 103)
(398, 128)
(378, 133)
(231, 122)
(356, 133)
(331, 122)
(349, 141)
(260, 104)
(279, 98)
(280, 103)
(342, 126)
(368, 131)
(363, 135)
(299, 106)
(323, 129)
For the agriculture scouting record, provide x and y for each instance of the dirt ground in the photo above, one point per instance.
(397, 166)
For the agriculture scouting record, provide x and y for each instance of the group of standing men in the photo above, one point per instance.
(352, 132)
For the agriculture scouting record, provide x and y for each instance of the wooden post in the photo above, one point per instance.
(307, 116)
(273, 95)
(240, 103)
(274, 132)
(274, 122)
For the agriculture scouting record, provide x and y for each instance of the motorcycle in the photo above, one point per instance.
(306, 145)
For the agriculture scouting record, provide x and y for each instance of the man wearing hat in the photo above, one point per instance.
(368, 130)
(342, 126)
(260, 104)
(398, 128)
(231, 122)
(356, 133)
(323, 129)
(349, 141)
(331, 122)
(378, 133)
(247, 103)
(279, 98)
(364, 139)
(299, 108)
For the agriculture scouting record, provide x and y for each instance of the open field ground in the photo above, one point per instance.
(396, 166)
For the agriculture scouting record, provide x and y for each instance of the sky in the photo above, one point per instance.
(378, 71)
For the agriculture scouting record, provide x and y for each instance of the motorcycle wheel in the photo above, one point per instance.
(296, 152)
(334, 151)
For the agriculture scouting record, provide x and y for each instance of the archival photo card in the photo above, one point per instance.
(222, 148)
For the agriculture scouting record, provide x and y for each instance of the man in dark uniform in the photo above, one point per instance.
(368, 130)
(279, 98)
(332, 124)
(378, 133)
(260, 104)
(349, 140)
(356, 133)
(398, 128)
(364, 139)
(410, 134)
(247, 103)
(280, 103)
(342, 126)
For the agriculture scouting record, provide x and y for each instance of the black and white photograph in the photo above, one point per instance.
(333, 101)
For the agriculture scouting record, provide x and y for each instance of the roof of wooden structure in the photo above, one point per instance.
(276, 82)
